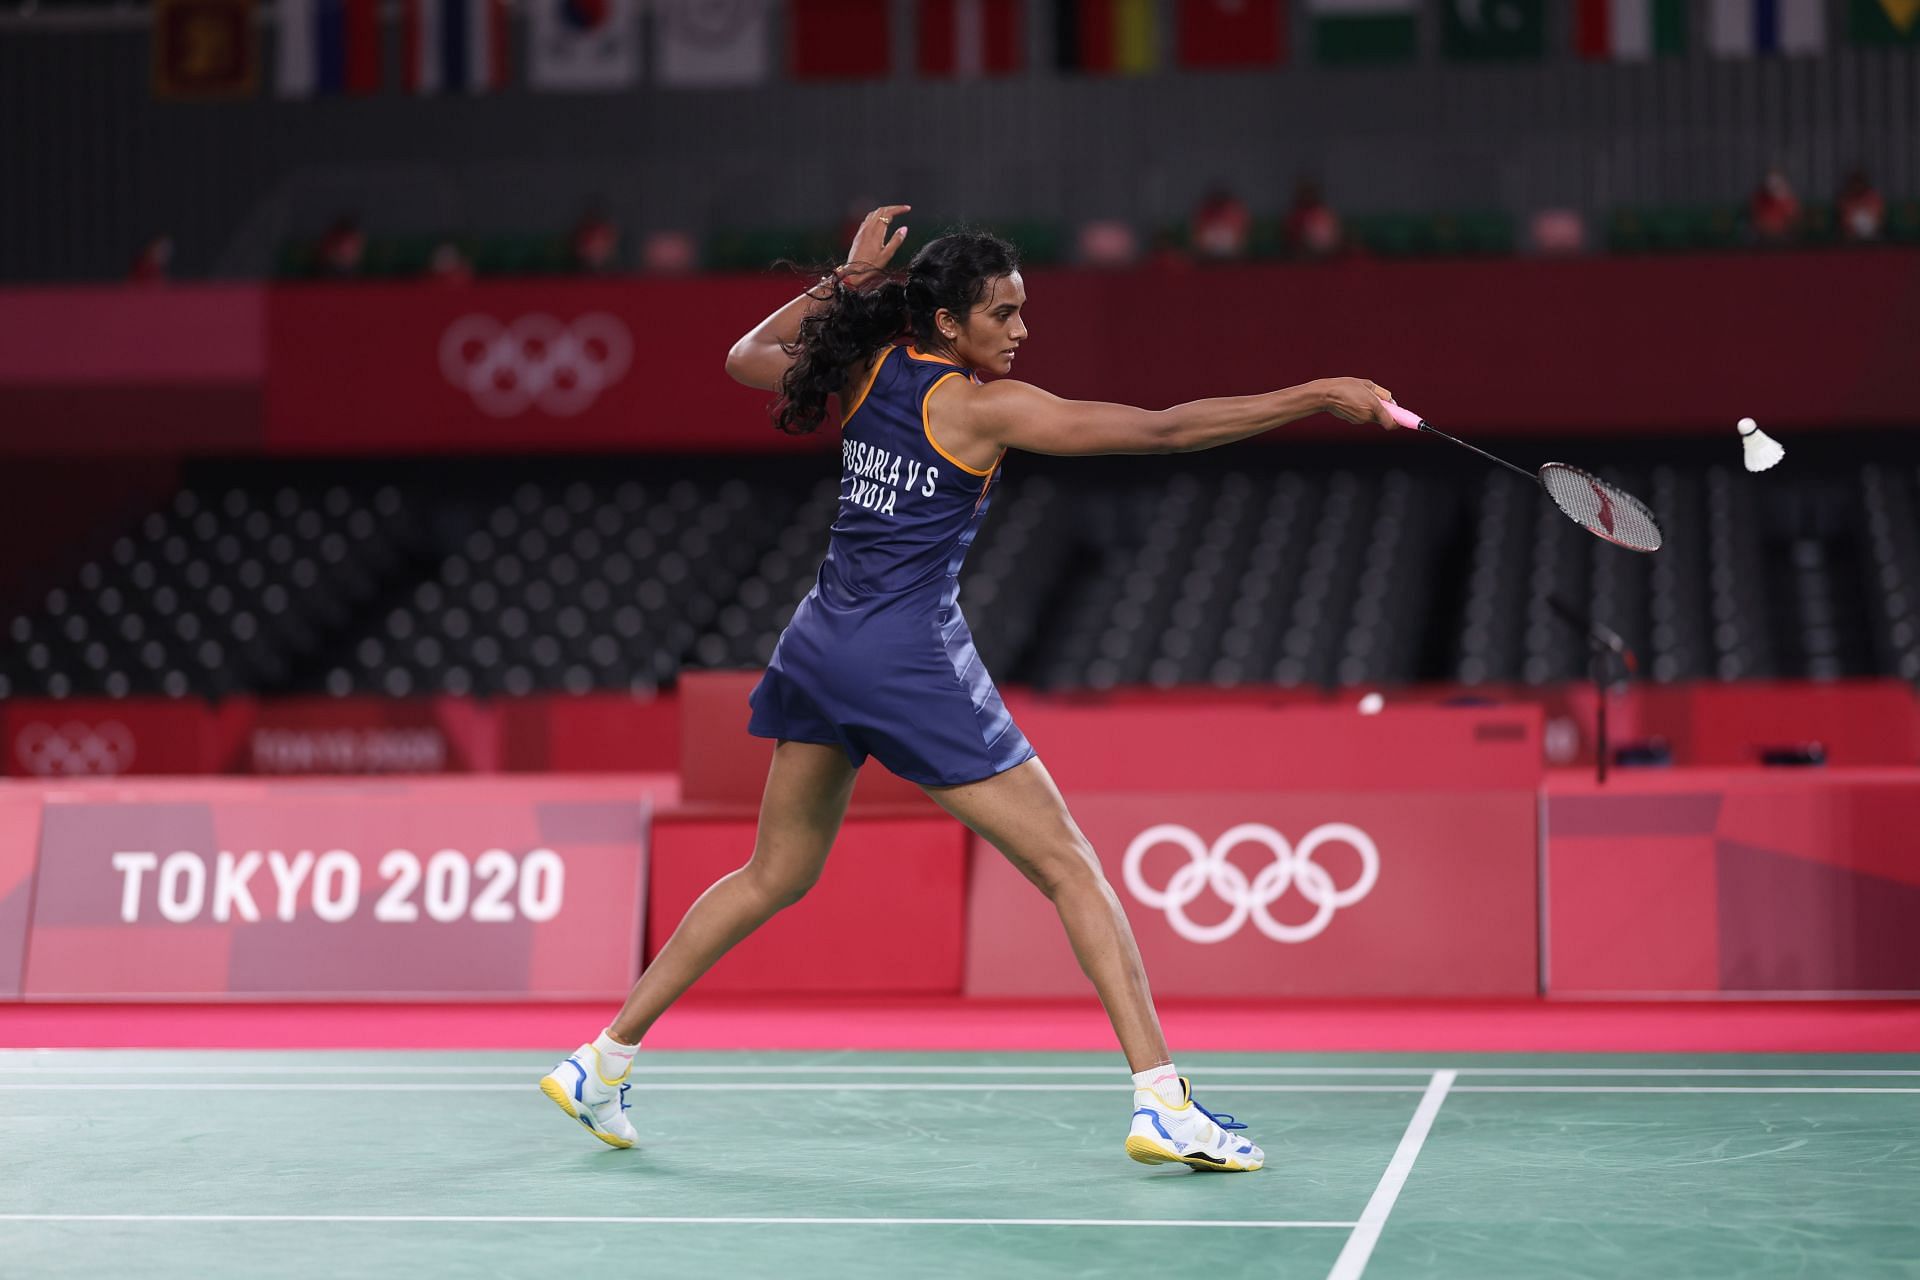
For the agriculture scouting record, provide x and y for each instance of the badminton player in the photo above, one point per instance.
(878, 660)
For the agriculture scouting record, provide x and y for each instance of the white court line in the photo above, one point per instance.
(1366, 1233)
(1674, 1088)
(692, 1086)
(864, 1086)
(659, 1221)
(691, 1069)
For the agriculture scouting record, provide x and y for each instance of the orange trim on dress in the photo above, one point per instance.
(871, 379)
(926, 424)
(916, 355)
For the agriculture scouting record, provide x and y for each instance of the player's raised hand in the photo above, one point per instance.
(875, 243)
(1357, 400)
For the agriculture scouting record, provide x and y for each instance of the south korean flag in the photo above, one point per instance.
(584, 46)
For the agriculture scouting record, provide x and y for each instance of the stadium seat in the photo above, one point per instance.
(478, 578)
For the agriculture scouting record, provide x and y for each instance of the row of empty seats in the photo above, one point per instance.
(1330, 570)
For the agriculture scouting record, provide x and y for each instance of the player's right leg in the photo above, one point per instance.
(806, 796)
(1021, 813)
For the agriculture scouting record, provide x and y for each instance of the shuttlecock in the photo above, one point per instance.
(1371, 704)
(1761, 449)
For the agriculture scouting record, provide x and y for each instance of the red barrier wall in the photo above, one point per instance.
(1708, 723)
(1264, 882)
(19, 853)
(1860, 723)
(319, 889)
(721, 764)
(1702, 882)
(82, 737)
(635, 364)
(885, 916)
(561, 733)
(1159, 747)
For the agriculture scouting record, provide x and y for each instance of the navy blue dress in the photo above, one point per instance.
(878, 660)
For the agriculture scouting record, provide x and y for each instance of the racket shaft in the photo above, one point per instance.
(1407, 418)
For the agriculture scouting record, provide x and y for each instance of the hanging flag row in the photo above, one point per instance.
(342, 47)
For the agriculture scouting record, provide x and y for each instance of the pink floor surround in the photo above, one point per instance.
(957, 1024)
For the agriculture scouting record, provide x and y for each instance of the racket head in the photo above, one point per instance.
(1602, 508)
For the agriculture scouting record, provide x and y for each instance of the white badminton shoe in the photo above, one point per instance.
(577, 1088)
(1188, 1134)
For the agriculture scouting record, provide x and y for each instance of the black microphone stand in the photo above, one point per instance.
(1602, 642)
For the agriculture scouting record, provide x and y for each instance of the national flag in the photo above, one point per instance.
(840, 39)
(453, 46)
(583, 46)
(1347, 32)
(1115, 37)
(327, 46)
(710, 42)
(1743, 28)
(971, 37)
(1631, 30)
(1885, 21)
(204, 49)
(1231, 33)
(1494, 30)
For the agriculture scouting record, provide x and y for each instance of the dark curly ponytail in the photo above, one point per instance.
(951, 273)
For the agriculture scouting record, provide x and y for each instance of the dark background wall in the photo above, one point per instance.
(91, 164)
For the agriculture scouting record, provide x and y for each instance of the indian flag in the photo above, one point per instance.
(1885, 21)
(1631, 30)
(1363, 31)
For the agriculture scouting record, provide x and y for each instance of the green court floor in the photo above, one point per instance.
(191, 1164)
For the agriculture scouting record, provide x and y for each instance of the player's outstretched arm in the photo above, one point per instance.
(763, 354)
(1018, 415)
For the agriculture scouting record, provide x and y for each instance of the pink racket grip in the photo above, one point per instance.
(1410, 420)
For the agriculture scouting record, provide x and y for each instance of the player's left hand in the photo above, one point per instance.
(875, 243)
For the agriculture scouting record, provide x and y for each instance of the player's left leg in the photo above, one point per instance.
(1021, 813)
(808, 786)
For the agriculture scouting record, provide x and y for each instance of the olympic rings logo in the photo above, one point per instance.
(1293, 868)
(535, 362)
(74, 748)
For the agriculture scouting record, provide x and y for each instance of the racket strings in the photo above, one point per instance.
(1601, 508)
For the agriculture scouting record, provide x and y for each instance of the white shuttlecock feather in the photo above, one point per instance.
(1761, 449)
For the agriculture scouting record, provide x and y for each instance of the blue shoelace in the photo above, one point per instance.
(625, 1087)
(1223, 1120)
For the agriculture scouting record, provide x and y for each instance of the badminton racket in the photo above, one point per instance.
(1600, 507)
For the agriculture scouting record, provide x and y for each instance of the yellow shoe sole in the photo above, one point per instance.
(558, 1092)
(1147, 1151)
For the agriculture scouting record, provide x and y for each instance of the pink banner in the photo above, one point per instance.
(255, 890)
(1749, 882)
(1373, 893)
